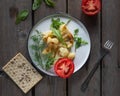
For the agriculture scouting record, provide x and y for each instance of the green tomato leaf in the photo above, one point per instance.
(21, 16)
(36, 4)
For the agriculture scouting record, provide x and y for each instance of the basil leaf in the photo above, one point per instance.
(21, 16)
(50, 3)
(36, 4)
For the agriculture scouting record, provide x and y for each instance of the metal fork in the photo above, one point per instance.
(103, 52)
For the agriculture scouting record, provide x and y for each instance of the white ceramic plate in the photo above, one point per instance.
(81, 54)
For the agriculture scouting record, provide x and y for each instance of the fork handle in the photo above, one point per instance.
(87, 80)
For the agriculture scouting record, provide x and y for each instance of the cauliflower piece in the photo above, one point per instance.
(71, 55)
(52, 40)
(46, 51)
(46, 35)
(69, 44)
(63, 52)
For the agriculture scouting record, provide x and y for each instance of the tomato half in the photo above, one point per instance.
(64, 67)
(91, 7)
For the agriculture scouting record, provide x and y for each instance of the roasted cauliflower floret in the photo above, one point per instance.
(63, 52)
(46, 35)
(69, 44)
(46, 51)
(71, 55)
(52, 40)
(63, 29)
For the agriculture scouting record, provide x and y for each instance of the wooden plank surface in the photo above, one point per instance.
(50, 86)
(93, 26)
(111, 63)
(13, 39)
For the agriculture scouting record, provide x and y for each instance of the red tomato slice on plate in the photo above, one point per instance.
(64, 67)
(91, 7)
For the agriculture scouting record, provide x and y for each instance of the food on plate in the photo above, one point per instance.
(91, 7)
(64, 67)
(54, 46)
(58, 41)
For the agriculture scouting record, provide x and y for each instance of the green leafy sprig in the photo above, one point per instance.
(78, 40)
(55, 29)
(45, 61)
(56, 23)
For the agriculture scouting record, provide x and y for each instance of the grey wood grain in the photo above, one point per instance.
(13, 39)
(111, 31)
(50, 86)
(92, 24)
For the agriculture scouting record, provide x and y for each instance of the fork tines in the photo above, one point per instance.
(108, 44)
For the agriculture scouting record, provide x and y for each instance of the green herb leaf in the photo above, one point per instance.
(83, 42)
(56, 23)
(76, 31)
(38, 58)
(68, 21)
(78, 40)
(76, 34)
(38, 47)
(50, 3)
(35, 38)
(55, 29)
(35, 47)
(21, 16)
(50, 60)
(58, 35)
(36, 4)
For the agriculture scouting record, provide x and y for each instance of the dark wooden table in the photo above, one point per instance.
(104, 26)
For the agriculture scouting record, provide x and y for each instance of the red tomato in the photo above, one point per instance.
(91, 7)
(64, 67)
